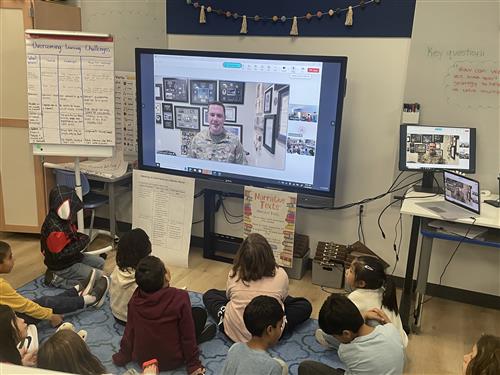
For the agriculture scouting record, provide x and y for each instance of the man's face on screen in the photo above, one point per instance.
(216, 119)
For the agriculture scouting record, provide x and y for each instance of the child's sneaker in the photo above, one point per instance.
(100, 290)
(207, 334)
(48, 278)
(322, 339)
(83, 334)
(220, 315)
(86, 286)
(66, 325)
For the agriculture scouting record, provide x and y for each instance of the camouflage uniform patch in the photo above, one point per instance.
(225, 147)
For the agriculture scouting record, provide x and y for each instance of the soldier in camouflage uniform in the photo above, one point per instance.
(215, 143)
(431, 156)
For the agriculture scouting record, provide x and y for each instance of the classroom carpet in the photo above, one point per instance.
(104, 336)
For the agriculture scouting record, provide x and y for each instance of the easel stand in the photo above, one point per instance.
(216, 242)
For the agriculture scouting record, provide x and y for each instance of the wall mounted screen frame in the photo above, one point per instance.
(305, 157)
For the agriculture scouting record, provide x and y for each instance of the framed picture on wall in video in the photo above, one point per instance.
(231, 112)
(283, 101)
(158, 91)
(269, 133)
(167, 115)
(236, 129)
(175, 89)
(187, 118)
(203, 92)
(268, 98)
(232, 92)
(204, 116)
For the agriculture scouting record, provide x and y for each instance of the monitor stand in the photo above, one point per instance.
(495, 203)
(428, 184)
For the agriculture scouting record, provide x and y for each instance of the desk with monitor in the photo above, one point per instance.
(489, 218)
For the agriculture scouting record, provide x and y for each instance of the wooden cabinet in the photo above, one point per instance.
(22, 179)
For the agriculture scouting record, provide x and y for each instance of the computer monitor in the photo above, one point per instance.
(281, 117)
(430, 148)
(462, 191)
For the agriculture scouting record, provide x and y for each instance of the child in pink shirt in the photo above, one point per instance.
(254, 273)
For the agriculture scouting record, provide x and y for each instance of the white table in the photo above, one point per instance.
(489, 218)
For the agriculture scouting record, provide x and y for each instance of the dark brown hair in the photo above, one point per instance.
(254, 259)
(66, 351)
(371, 270)
(9, 336)
(487, 359)
(133, 246)
(150, 274)
(220, 104)
(4, 250)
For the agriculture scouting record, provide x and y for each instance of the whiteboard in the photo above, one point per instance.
(70, 93)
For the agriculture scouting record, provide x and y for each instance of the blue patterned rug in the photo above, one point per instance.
(104, 337)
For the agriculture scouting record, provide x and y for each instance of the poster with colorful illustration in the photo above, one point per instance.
(272, 214)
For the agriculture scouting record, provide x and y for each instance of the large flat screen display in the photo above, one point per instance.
(252, 119)
(437, 148)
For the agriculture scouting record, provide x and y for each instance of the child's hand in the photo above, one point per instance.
(378, 315)
(150, 370)
(150, 367)
(200, 371)
(28, 358)
(56, 320)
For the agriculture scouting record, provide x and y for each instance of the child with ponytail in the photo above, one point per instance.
(371, 289)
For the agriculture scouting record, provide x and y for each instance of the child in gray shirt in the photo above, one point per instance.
(363, 349)
(263, 318)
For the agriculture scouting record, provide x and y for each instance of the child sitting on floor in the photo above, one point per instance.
(66, 351)
(372, 289)
(49, 307)
(133, 246)
(12, 331)
(62, 245)
(363, 349)
(484, 359)
(254, 273)
(161, 323)
(263, 318)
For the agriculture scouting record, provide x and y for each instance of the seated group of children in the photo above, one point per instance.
(255, 311)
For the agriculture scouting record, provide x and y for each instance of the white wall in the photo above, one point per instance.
(447, 35)
(377, 76)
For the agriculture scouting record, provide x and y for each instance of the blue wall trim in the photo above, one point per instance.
(391, 18)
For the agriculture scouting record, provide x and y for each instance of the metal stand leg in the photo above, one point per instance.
(423, 273)
(112, 214)
(407, 295)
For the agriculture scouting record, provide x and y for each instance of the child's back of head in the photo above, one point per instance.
(133, 246)
(485, 357)
(150, 274)
(254, 259)
(369, 273)
(263, 316)
(4, 250)
(65, 351)
(338, 314)
(9, 336)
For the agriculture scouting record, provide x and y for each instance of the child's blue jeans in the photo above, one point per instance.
(71, 276)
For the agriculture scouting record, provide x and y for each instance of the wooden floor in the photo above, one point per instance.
(448, 331)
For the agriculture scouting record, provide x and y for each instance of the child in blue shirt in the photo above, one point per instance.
(264, 318)
(363, 349)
